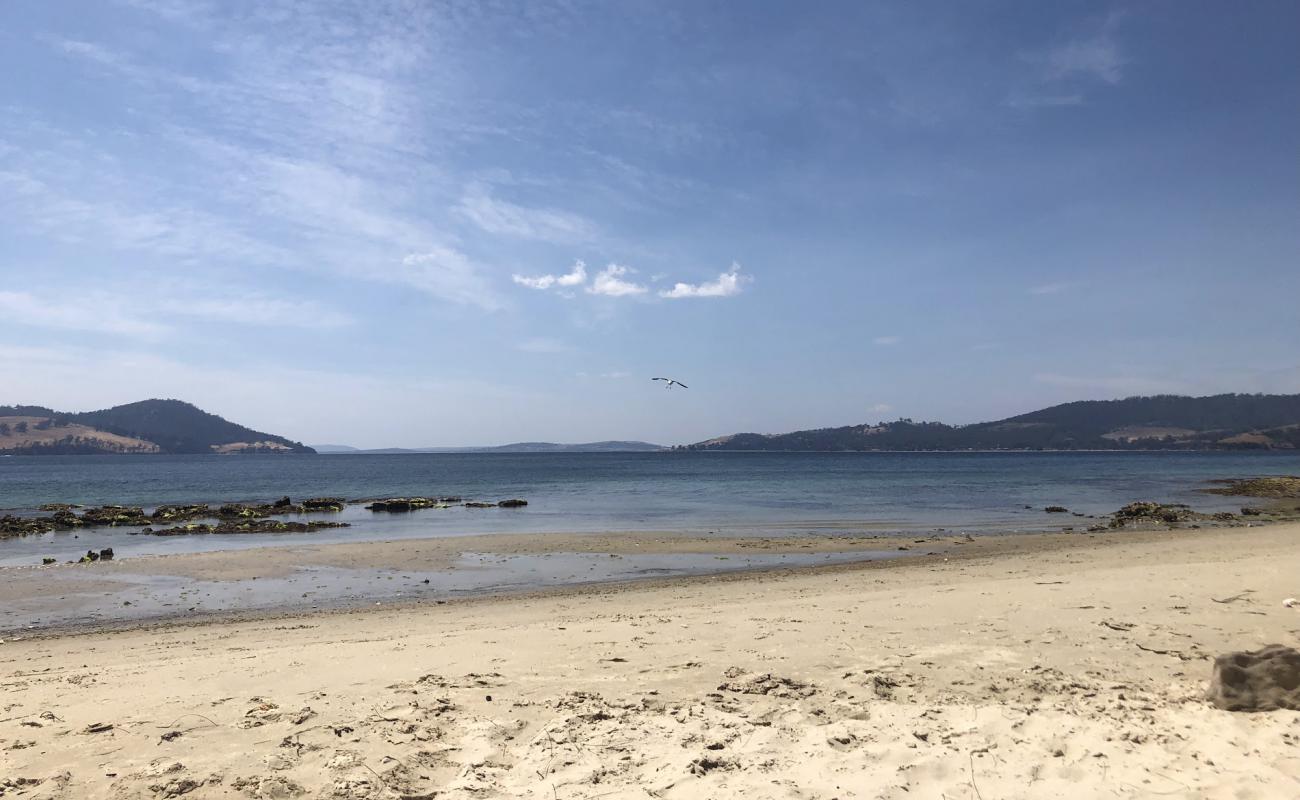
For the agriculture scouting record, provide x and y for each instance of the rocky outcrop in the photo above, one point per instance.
(402, 504)
(245, 526)
(323, 504)
(1275, 486)
(1151, 512)
(515, 503)
(1259, 680)
(115, 516)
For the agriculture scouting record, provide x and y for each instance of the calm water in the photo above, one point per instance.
(760, 492)
(728, 493)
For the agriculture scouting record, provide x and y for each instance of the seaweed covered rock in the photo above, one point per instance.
(275, 526)
(1276, 486)
(323, 504)
(478, 504)
(1151, 512)
(515, 503)
(245, 511)
(115, 516)
(1258, 680)
(177, 513)
(11, 526)
(400, 504)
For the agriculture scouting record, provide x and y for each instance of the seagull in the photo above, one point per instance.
(671, 383)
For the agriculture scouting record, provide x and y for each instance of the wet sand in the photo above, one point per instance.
(1066, 666)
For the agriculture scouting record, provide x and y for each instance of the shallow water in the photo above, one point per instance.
(111, 596)
(727, 493)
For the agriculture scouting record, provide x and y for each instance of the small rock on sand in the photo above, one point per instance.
(1260, 680)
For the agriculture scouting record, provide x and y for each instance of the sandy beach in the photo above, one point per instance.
(1049, 666)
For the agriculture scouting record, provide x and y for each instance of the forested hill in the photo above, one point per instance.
(149, 426)
(1167, 422)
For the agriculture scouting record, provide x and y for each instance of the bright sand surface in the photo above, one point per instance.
(1051, 666)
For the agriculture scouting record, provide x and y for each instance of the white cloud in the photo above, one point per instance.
(616, 374)
(609, 282)
(576, 277)
(887, 340)
(728, 284)
(508, 219)
(446, 273)
(881, 408)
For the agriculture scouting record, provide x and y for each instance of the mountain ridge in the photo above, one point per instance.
(609, 446)
(145, 427)
(1162, 422)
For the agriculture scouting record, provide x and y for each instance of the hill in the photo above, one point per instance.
(149, 426)
(1163, 422)
(516, 447)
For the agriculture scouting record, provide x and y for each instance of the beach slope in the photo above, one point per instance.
(1076, 670)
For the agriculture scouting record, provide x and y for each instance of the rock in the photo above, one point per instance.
(66, 519)
(106, 554)
(1248, 511)
(401, 504)
(181, 513)
(283, 502)
(1271, 486)
(1262, 680)
(476, 504)
(1057, 510)
(515, 503)
(1149, 511)
(323, 504)
(89, 557)
(49, 560)
(57, 507)
(115, 516)
(11, 526)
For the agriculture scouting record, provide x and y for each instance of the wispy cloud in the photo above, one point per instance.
(727, 284)
(503, 218)
(576, 277)
(150, 317)
(886, 341)
(543, 345)
(1095, 55)
(881, 408)
(609, 282)
(1044, 100)
(94, 313)
(449, 274)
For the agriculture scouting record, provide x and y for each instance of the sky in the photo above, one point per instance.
(386, 223)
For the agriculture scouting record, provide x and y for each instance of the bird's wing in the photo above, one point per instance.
(658, 379)
(679, 383)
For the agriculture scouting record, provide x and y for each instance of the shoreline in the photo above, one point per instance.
(237, 567)
(1026, 666)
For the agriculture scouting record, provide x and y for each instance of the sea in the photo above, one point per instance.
(723, 494)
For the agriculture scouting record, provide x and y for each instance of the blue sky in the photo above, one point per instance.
(458, 223)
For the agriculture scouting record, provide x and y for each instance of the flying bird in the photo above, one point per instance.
(670, 383)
